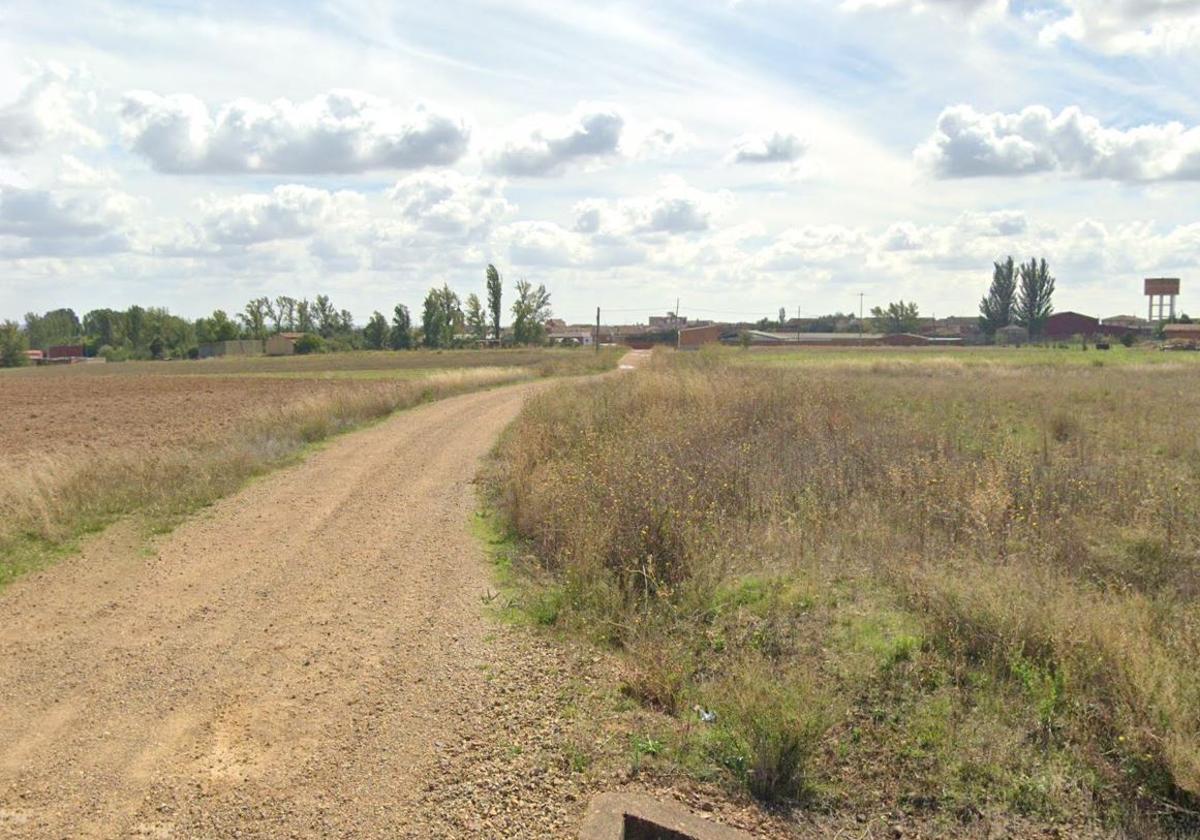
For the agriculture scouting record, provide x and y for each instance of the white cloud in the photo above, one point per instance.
(812, 245)
(657, 140)
(340, 131)
(544, 243)
(776, 147)
(589, 215)
(960, 7)
(36, 222)
(73, 172)
(544, 145)
(673, 208)
(290, 211)
(901, 236)
(53, 106)
(970, 143)
(1129, 26)
(449, 202)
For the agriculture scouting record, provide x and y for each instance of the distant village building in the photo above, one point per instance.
(282, 344)
(1182, 333)
(65, 351)
(572, 337)
(1128, 322)
(693, 338)
(913, 340)
(670, 321)
(1062, 326)
(1012, 336)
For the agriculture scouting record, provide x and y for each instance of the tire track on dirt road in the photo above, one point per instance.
(305, 658)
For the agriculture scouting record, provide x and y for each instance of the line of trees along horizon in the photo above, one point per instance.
(154, 333)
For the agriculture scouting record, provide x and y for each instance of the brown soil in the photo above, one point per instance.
(56, 414)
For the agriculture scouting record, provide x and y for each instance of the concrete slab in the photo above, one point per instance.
(635, 816)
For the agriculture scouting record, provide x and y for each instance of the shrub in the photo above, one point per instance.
(309, 343)
(773, 727)
(13, 344)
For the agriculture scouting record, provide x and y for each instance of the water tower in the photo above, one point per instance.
(1162, 292)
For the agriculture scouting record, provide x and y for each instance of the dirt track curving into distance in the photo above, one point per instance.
(306, 658)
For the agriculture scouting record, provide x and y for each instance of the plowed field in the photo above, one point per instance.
(62, 413)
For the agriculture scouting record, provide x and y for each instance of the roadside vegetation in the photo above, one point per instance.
(967, 593)
(49, 499)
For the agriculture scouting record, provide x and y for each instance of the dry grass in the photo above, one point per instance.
(981, 580)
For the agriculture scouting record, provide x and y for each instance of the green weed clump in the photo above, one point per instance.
(956, 588)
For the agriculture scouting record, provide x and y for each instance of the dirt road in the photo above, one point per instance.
(306, 658)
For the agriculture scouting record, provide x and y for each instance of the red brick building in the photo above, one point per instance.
(692, 338)
(1062, 326)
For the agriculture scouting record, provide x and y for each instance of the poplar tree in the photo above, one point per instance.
(996, 309)
(1034, 298)
(494, 290)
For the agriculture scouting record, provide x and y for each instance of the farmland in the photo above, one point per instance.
(938, 593)
(82, 445)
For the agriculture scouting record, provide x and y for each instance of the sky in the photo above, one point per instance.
(736, 157)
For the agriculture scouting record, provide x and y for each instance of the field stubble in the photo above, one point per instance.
(965, 594)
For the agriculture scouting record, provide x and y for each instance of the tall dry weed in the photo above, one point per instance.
(1060, 553)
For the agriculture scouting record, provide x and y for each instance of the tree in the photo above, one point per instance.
(285, 313)
(375, 333)
(400, 337)
(305, 322)
(220, 327)
(104, 327)
(59, 326)
(13, 344)
(899, 317)
(170, 335)
(273, 316)
(325, 316)
(476, 317)
(254, 317)
(494, 291)
(135, 327)
(441, 318)
(530, 311)
(996, 310)
(1034, 299)
(782, 316)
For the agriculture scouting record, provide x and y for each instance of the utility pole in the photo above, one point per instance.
(860, 314)
(596, 340)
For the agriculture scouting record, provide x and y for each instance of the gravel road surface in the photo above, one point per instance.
(306, 658)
